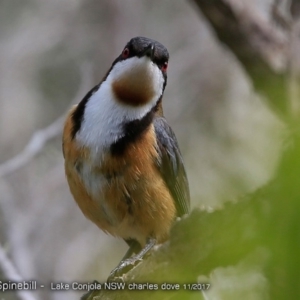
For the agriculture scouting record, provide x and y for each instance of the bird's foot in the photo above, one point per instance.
(129, 263)
(124, 266)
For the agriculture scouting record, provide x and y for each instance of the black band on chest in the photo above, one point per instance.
(132, 132)
(77, 116)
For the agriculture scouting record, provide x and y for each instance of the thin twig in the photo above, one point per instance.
(12, 274)
(42, 136)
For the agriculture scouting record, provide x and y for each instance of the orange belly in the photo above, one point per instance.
(123, 195)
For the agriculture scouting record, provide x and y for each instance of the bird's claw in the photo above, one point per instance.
(126, 265)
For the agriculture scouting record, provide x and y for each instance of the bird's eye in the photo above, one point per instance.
(164, 66)
(125, 53)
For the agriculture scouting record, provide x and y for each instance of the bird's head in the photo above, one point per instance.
(138, 76)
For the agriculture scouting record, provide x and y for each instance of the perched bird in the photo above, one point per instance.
(122, 160)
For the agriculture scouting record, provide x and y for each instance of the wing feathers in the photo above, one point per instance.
(171, 165)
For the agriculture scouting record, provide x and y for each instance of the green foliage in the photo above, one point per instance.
(258, 237)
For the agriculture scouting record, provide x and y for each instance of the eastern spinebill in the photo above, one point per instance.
(122, 159)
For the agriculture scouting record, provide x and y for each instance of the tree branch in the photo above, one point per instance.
(12, 274)
(259, 46)
(42, 136)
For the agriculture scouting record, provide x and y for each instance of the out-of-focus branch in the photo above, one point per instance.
(261, 47)
(34, 146)
(295, 9)
(42, 136)
(281, 14)
(12, 274)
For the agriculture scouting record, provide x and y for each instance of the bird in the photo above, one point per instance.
(122, 160)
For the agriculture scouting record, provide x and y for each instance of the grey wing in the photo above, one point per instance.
(171, 165)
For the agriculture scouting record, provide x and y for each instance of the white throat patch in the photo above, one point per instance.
(104, 115)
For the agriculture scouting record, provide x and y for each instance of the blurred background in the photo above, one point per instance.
(52, 53)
